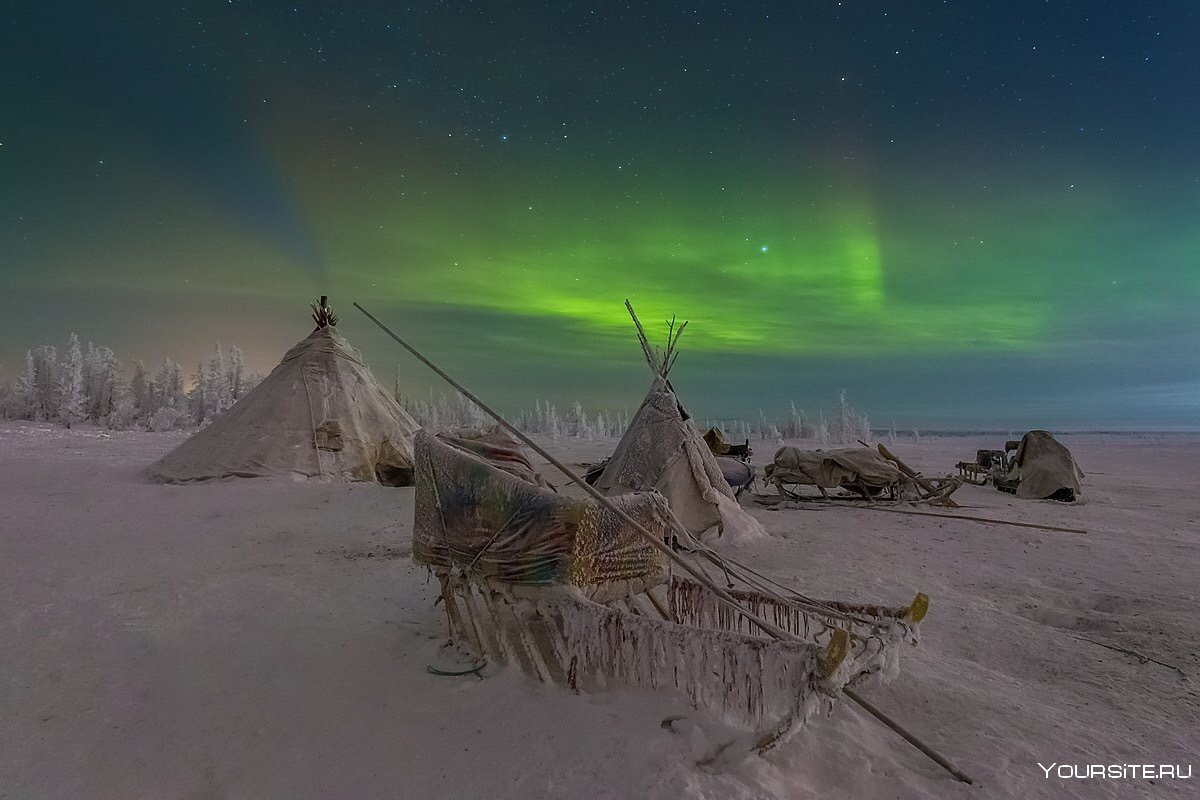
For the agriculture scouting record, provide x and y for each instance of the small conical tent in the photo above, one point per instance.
(662, 450)
(319, 414)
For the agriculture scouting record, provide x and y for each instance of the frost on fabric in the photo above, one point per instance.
(748, 680)
(711, 653)
(876, 633)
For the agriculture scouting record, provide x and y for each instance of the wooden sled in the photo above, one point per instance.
(568, 592)
(681, 641)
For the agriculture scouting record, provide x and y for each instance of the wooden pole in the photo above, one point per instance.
(978, 519)
(906, 736)
(912, 473)
(642, 340)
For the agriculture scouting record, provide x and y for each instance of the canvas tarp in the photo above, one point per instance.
(1044, 466)
(494, 525)
(830, 469)
(661, 450)
(320, 413)
(716, 441)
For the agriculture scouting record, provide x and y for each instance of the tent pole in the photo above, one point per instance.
(642, 340)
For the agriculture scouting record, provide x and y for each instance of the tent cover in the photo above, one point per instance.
(662, 450)
(319, 414)
(830, 469)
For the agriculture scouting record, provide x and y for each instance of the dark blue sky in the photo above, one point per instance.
(964, 213)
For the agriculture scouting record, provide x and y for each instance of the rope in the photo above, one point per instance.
(312, 422)
(474, 669)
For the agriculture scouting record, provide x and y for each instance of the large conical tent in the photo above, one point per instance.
(319, 414)
(662, 450)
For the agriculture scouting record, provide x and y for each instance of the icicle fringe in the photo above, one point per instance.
(708, 653)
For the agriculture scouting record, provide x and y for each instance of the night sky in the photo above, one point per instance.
(964, 213)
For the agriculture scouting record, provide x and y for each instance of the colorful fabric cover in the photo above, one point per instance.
(506, 456)
(492, 524)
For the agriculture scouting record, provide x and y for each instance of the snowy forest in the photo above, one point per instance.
(446, 413)
(86, 384)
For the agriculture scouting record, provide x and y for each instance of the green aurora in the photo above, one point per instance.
(950, 262)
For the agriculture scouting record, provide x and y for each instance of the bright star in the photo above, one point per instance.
(763, 248)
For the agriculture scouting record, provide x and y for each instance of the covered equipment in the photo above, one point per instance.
(867, 472)
(859, 468)
(715, 439)
(319, 414)
(1043, 468)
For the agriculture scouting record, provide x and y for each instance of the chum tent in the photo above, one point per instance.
(319, 414)
(662, 450)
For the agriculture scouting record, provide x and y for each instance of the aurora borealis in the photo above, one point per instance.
(964, 213)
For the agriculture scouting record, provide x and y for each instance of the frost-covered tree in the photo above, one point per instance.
(167, 418)
(167, 391)
(44, 396)
(842, 427)
(821, 434)
(26, 390)
(168, 406)
(199, 398)
(578, 426)
(798, 426)
(88, 385)
(139, 390)
(219, 393)
(122, 411)
(105, 388)
(864, 430)
(847, 425)
(212, 388)
(72, 405)
(250, 379)
(235, 374)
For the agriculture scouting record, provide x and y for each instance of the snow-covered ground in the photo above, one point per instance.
(269, 639)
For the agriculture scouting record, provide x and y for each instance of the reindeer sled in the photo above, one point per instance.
(571, 593)
(866, 473)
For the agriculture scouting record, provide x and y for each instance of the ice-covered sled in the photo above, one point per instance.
(572, 594)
